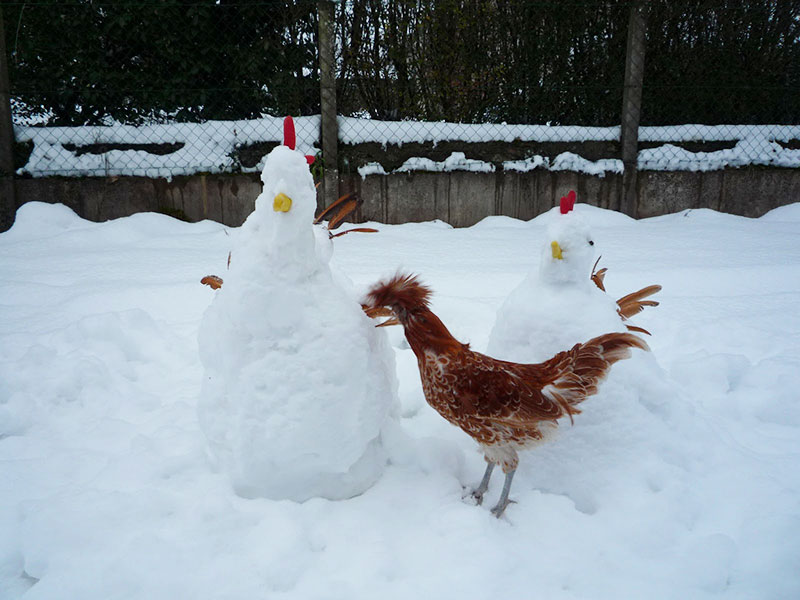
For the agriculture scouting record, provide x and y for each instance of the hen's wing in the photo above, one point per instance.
(503, 392)
(521, 395)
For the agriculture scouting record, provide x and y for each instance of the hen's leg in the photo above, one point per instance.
(500, 507)
(479, 491)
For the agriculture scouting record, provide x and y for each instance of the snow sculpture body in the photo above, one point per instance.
(298, 382)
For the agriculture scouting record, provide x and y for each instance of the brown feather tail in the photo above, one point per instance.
(586, 365)
(634, 303)
(617, 346)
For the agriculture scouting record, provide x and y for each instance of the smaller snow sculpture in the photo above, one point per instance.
(563, 303)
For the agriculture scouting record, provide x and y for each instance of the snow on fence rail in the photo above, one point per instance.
(156, 150)
(216, 146)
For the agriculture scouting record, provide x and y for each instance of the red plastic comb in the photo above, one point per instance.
(568, 202)
(290, 137)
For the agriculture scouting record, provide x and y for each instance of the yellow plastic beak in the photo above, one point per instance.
(556, 250)
(282, 203)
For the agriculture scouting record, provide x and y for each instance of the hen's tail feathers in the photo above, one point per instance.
(403, 290)
(585, 366)
(634, 303)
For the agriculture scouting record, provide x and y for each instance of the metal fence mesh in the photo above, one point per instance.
(159, 88)
(169, 88)
(725, 76)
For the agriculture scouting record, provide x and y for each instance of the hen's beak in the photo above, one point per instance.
(389, 322)
(381, 311)
(282, 203)
(556, 250)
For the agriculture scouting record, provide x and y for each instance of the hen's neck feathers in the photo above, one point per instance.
(409, 299)
(426, 332)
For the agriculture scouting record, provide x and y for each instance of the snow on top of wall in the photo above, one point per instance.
(568, 161)
(457, 161)
(750, 151)
(665, 158)
(211, 147)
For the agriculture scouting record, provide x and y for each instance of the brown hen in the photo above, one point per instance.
(502, 405)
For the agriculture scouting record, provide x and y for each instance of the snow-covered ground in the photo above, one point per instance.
(687, 488)
(210, 147)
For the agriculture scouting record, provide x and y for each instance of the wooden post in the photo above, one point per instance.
(327, 84)
(8, 205)
(631, 108)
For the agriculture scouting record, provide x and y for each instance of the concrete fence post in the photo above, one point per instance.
(327, 84)
(631, 108)
(8, 205)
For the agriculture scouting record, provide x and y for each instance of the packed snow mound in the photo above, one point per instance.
(40, 219)
(788, 213)
(298, 382)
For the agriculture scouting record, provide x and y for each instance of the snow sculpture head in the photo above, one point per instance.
(568, 255)
(288, 197)
(280, 229)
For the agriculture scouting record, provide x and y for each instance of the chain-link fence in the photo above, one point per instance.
(169, 88)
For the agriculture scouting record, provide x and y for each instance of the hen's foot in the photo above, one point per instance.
(478, 492)
(501, 506)
(475, 495)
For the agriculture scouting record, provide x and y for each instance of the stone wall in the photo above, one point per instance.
(459, 198)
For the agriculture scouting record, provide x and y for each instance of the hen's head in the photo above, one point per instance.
(403, 294)
(406, 300)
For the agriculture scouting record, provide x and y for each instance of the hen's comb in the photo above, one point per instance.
(290, 137)
(568, 202)
(403, 290)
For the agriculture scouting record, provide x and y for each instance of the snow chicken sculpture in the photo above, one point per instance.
(564, 301)
(298, 383)
(502, 405)
(336, 213)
